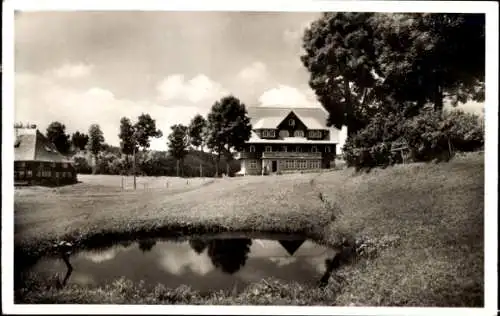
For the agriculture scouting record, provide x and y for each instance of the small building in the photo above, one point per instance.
(288, 140)
(37, 161)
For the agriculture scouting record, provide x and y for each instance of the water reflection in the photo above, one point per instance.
(146, 245)
(203, 264)
(229, 254)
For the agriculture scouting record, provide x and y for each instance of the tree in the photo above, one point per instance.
(127, 143)
(96, 141)
(79, 140)
(197, 129)
(133, 137)
(340, 56)
(197, 134)
(366, 63)
(228, 128)
(178, 143)
(144, 130)
(56, 133)
(429, 57)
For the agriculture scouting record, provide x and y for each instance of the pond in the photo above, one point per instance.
(206, 265)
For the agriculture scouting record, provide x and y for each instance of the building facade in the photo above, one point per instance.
(288, 140)
(37, 161)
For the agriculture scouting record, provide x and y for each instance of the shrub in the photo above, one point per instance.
(428, 136)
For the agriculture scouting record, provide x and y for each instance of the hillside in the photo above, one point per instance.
(422, 223)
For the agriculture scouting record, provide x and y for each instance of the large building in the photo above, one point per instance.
(288, 139)
(37, 161)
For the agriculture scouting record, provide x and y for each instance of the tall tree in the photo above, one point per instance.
(56, 133)
(96, 142)
(197, 129)
(178, 143)
(362, 63)
(144, 130)
(127, 142)
(197, 134)
(228, 128)
(79, 140)
(339, 54)
(133, 137)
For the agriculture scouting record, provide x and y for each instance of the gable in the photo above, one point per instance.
(272, 117)
(297, 122)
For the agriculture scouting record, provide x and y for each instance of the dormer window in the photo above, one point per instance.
(268, 133)
(298, 133)
(284, 133)
(315, 134)
(291, 122)
(252, 148)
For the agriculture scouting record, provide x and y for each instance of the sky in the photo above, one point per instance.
(82, 68)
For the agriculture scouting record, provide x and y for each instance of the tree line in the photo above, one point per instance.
(224, 131)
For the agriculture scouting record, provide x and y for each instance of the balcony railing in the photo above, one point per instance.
(248, 155)
(288, 154)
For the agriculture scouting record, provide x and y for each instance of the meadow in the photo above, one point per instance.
(417, 230)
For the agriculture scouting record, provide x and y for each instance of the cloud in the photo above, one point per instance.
(42, 100)
(180, 257)
(285, 95)
(198, 89)
(73, 71)
(254, 73)
(101, 256)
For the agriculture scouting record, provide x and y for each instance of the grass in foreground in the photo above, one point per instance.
(420, 225)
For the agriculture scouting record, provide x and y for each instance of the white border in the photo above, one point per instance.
(491, 113)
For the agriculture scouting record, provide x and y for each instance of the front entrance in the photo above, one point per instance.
(274, 166)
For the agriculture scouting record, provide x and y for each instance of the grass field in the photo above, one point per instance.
(421, 226)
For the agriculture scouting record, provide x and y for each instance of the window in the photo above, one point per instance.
(291, 122)
(298, 133)
(298, 149)
(253, 164)
(65, 165)
(284, 133)
(268, 149)
(289, 164)
(29, 173)
(53, 165)
(268, 133)
(328, 149)
(314, 149)
(252, 148)
(315, 134)
(283, 148)
(22, 164)
(303, 164)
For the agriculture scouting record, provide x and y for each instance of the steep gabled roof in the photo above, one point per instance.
(34, 146)
(271, 117)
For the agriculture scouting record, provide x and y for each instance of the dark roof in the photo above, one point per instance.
(271, 117)
(34, 146)
(268, 117)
